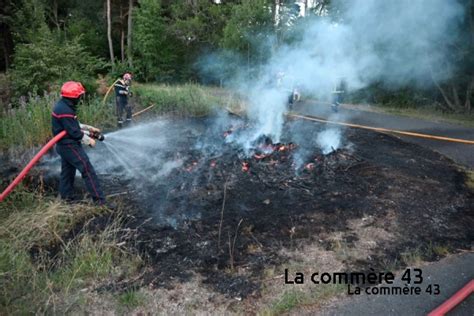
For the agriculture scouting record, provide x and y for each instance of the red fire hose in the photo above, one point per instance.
(30, 165)
(454, 300)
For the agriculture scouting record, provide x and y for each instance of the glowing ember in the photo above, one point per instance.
(261, 156)
(191, 167)
(310, 166)
(213, 164)
(245, 166)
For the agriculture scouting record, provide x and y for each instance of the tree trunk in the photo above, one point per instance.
(122, 34)
(122, 44)
(445, 97)
(469, 90)
(129, 34)
(443, 93)
(109, 34)
(5, 53)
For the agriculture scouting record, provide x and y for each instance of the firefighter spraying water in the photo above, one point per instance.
(73, 156)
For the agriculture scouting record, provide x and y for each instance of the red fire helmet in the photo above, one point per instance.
(127, 76)
(72, 89)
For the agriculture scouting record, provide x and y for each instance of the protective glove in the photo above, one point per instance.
(89, 128)
(86, 140)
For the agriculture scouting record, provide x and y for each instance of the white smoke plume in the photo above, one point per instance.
(397, 42)
(329, 140)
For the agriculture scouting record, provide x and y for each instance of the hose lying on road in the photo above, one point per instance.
(30, 165)
(454, 300)
(383, 130)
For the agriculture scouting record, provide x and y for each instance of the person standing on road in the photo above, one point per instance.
(73, 156)
(122, 93)
(338, 94)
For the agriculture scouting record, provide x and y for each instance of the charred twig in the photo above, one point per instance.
(120, 193)
(355, 165)
(232, 246)
(222, 216)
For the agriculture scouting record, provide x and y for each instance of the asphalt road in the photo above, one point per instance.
(451, 273)
(460, 153)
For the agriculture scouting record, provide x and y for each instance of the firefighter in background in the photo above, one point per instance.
(73, 156)
(287, 84)
(122, 93)
(338, 94)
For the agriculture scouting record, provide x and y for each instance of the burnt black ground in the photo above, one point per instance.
(413, 192)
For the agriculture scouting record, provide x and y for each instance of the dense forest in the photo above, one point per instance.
(45, 42)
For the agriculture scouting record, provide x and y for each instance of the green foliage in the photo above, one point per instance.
(120, 68)
(249, 27)
(152, 49)
(29, 21)
(55, 62)
(87, 31)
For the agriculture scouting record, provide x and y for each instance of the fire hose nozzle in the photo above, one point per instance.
(97, 135)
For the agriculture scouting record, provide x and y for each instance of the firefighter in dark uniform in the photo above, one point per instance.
(73, 156)
(122, 92)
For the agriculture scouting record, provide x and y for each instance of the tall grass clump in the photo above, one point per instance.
(179, 100)
(28, 124)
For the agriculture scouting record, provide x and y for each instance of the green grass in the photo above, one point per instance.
(470, 179)
(294, 298)
(41, 283)
(181, 100)
(131, 299)
(29, 124)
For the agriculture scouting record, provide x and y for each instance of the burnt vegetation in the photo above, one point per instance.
(227, 214)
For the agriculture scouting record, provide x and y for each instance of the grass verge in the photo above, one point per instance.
(183, 100)
(46, 263)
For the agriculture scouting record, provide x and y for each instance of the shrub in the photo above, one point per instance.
(54, 62)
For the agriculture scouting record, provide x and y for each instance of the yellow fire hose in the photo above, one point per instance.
(144, 110)
(108, 91)
(383, 130)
